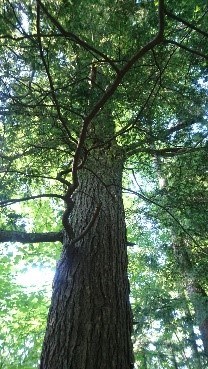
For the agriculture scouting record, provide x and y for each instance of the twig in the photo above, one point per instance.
(167, 211)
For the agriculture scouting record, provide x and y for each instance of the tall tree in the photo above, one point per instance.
(85, 89)
(178, 256)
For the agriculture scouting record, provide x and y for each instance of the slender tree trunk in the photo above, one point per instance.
(194, 290)
(173, 359)
(199, 300)
(143, 361)
(192, 335)
(89, 323)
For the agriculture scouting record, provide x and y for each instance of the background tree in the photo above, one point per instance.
(87, 90)
(172, 262)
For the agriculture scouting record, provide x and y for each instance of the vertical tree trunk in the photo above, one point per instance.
(194, 290)
(143, 359)
(173, 359)
(89, 323)
(192, 335)
(199, 300)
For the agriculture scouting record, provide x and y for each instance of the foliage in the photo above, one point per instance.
(23, 314)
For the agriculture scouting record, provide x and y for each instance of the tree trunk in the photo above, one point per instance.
(143, 359)
(192, 335)
(89, 323)
(195, 291)
(173, 359)
(199, 300)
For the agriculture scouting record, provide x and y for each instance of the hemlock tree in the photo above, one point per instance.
(166, 329)
(86, 88)
(173, 264)
(168, 269)
(188, 195)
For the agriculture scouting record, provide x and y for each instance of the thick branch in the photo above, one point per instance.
(13, 236)
(61, 118)
(172, 151)
(188, 24)
(112, 88)
(17, 156)
(75, 38)
(183, 125)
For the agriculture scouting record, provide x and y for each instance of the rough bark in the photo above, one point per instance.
(89, 322)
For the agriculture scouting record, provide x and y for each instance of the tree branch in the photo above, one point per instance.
(13, 236)
(151, 201)
(75, 38)
(55, 100)
(188, 24)
(164, 152)
(195, 52)
(22, 237)
(17, 156)
(112, 88)
(13, 201)
(180, 126)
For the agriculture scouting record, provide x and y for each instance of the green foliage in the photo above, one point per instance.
(23, 315)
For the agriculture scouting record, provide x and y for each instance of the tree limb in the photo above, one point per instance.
(74, 37)
(188, 24)
(151, 201)
(22, 237)
(17, 156)
(182, 125)
(13, 236)
(53, 94)
(195, 52)
(13, 201)
(112, 88)
(164, 152)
